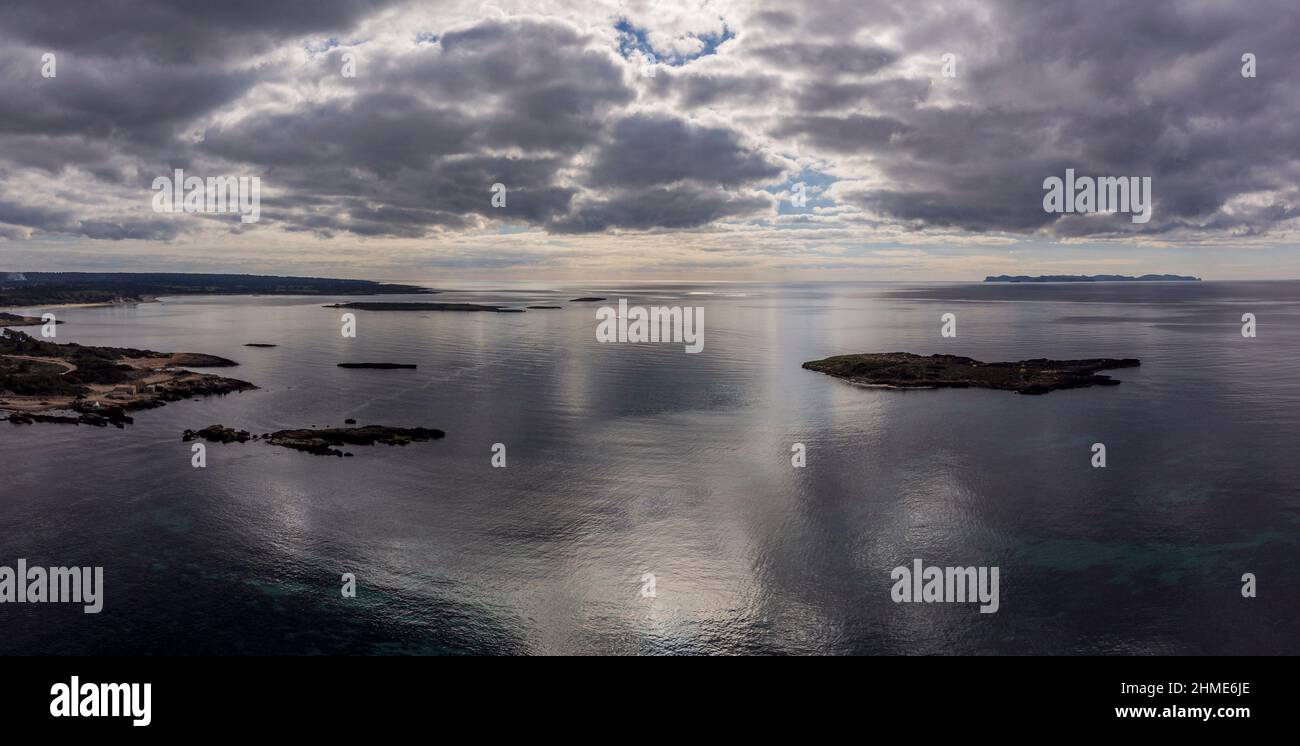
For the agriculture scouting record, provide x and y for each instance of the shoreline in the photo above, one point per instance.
(102, 304)
(100, 384)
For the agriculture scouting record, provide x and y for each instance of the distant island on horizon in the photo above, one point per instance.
(1091, 278)
(50, 288)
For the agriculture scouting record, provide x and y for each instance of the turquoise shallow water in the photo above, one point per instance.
(625, 460)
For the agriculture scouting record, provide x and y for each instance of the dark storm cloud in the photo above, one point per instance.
(855, 59)
(436, 194)
(708, 90)
(665, 172)
(845, 134)
(530, 84)
(119, 230)
(14, 215)
(420, 146)
(413, 144)
(125, 99)
(890, 95)
(651, 150)
(681, 207)
(105, 120)
(53, 154)
(775, 19)
(175, 31)
(416, 149)
(19, 214)
(1106, 88)
(380, 132)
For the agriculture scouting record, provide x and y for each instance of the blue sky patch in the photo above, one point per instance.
(633, 41)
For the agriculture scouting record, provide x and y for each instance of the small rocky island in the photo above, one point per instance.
(1091, 278)
(13, 319)
(98, 385)
(905, 370)
(379, 366)
(323, 442)
(386, 306)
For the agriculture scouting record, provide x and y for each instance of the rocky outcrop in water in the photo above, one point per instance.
(1091, 278)
(906, 370)
(383, 306)
(320, 442)
(218, 434)
(13, 319)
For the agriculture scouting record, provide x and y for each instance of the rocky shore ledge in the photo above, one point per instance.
(44, 382)
(905, 370)
(320, 442)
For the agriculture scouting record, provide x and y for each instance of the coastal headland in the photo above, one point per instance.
(49, 289)
(98, 385)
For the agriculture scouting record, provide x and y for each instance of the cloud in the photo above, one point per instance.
(682, 207)
(832, 59)
(655, 150)
(547, 99)
(176, 31)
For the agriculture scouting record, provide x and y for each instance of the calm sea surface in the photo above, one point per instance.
(625, 460)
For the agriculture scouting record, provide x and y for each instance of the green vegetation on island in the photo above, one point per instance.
(101, 384)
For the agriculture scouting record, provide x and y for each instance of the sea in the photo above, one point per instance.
(622, 498)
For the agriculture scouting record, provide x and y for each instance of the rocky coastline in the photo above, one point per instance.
(44, 382)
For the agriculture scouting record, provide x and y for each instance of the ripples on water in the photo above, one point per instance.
(626, 460)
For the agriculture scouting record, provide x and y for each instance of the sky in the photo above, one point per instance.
(651, 140)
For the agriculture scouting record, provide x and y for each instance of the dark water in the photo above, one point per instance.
(625, 460)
